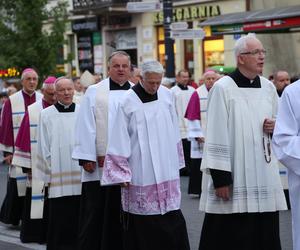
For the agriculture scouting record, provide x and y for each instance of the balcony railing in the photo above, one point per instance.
(98, 4)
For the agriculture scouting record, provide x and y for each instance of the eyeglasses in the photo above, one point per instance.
(255, 52)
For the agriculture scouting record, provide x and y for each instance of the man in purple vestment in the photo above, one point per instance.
(32, 229)
(12, 205)
(196, 115)
(23, 138)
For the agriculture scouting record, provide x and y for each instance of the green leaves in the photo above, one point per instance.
(31, 34)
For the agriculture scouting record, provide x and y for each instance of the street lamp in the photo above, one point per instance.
(169, 42)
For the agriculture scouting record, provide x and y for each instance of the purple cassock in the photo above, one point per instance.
(12, 205)
(23, 137)
(193, 108)
(6, 126)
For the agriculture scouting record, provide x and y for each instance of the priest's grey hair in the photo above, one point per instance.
(27, 72)
(119, 52)
(152, 66)
(241, 44)
(61, 78)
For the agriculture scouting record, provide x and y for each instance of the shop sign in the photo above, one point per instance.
(227, 29)
(272, 24)
(260, 26)
(190, 13)
(10, 72)
(179, 26)
(85, 56)
(97, 39)
(140, 7)
(85, 25)
(114, 22)
(188, 34)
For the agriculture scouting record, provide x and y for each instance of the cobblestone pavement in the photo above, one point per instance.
(9, 236)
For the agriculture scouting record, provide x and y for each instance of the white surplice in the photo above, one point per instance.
(56, 139)
(182, 98)
(234, 143)
(86, 125)
(286, 145)
(145, 150)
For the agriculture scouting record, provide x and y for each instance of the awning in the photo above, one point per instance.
(282, 19)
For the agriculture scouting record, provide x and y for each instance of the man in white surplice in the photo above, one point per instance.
(286, 145)
(144, 155)
(182, 93)
(55, 166)
(241, 191)
(99, 223)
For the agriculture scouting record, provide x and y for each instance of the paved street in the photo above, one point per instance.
(9, 236)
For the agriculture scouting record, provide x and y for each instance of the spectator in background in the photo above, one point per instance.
(281, 80)
(135, 74)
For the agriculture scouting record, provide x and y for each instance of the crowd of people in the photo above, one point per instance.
(96, 164)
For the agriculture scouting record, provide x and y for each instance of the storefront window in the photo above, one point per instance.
(161, 45)
(213, 52)
(189, 56)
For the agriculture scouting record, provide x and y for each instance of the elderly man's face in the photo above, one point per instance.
(30, 82)
(49, 94)
(209, 79)
(281, 80)
(253, 57)
(64, 91)
(119, 69)
(151, 82)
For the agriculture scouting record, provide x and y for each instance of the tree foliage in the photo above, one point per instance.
(31, 34)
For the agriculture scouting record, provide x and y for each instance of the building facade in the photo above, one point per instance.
(142, 34)
(106, 26)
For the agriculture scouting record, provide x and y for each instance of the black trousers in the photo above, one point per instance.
(91, 216)
(240, 231)
(63, 223)
(195, 180)
(112, 227)
(12, 206)
(186, 144)
(159, 232)
(33, 230)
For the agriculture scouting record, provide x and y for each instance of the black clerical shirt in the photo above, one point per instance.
(243, 82)
(61, 108)
(115, 86)
(182, 87)
(143, 95)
